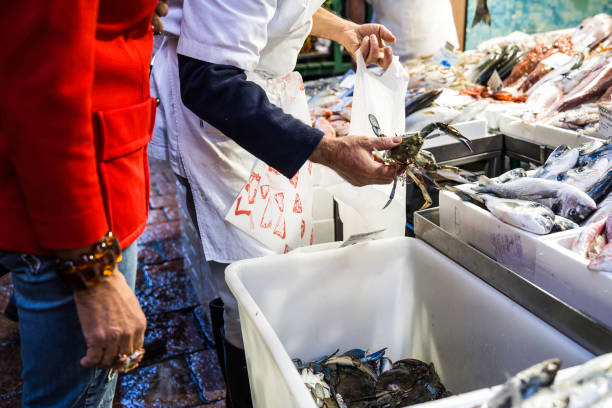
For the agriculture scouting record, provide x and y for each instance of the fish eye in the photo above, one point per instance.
(572, 212)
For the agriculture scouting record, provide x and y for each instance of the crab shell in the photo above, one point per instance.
(408, 150)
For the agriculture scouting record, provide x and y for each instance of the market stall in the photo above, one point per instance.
(530, 224)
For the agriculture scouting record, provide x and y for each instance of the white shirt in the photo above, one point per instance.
(262, 37)
(421, 27)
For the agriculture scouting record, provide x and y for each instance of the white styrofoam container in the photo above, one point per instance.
(506, 244)
(544, 260)
(398, 293)
(566, 275)
(540, 133)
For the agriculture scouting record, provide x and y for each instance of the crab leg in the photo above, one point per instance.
(421, 184)
(447, 129)
(392, 190)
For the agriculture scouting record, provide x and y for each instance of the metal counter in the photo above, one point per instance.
(576, 325)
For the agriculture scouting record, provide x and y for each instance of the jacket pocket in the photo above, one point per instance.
(122, 136)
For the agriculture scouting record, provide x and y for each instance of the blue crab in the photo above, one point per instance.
(414, 163)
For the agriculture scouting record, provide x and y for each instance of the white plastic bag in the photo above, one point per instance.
(384, 97)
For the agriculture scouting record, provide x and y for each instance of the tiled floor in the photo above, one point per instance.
(187, 374)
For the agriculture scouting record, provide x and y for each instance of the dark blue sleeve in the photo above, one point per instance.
(222, 96)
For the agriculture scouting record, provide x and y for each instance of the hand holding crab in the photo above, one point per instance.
(414, 163)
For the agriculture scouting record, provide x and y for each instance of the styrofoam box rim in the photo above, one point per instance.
(484, 213)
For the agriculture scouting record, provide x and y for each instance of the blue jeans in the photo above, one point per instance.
(52, 342)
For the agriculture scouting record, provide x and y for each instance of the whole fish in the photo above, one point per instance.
(510, 175)
(589, 233)
(592, 31)
(563, 224)
(589, 147)
(561, 159)
(585, 177)
(602, 188)
(525, 384)
(604, 209)
(419, 119)
(596, 246)
(569, 82)
(422, 101)
(565, 200)
(558, 72)
(482, 13)
(604, 150)
(526, 215)
(526, 64)
(597, 86)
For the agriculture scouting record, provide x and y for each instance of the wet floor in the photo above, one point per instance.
(184, 372)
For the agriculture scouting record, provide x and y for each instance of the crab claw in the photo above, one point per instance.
(446, 129)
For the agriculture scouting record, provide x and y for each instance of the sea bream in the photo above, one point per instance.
(526, 215)
(561, 159)
(585, 177)
(565, 200)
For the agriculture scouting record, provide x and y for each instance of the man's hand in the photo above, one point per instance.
(160, 11)
(111, 320)
(369, 39)
(351, 157)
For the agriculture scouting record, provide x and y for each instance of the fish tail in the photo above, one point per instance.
(463, 193)
(482, 14)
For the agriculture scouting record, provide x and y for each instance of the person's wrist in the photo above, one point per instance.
(322, 152)
(87, 267)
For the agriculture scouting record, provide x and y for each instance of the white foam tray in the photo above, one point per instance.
(538, 133)
(544, 260)
(566, 275)
(398, 293)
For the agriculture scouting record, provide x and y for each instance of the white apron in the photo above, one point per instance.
(216, 167)
(421, 27)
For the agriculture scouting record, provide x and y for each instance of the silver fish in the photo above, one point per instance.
(482, 13)
(589, 147)
(510, 175)
(561, 159)
(565, 200)
(574, 78)
(526, 215)
(604, 209)
(563, 224)
(585, 177)
(525, 384)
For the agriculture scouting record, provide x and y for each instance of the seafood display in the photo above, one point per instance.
(356, 379)
(571, 185)
(590, 386)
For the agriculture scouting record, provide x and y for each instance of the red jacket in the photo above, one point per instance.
(75, 118)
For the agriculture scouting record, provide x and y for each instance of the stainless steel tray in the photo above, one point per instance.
(585, 331)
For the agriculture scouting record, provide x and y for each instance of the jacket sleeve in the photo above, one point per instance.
(47, 70)
(222, 96)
